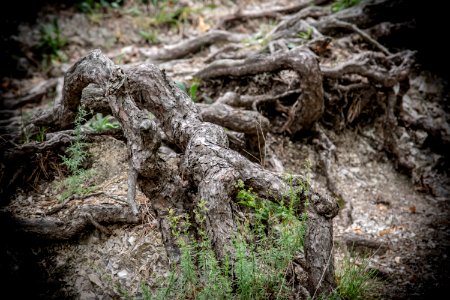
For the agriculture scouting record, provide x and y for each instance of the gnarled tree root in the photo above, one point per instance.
(209, 169)
(309, 106)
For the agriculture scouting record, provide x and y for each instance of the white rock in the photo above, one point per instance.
(122, 274)
(132, 240)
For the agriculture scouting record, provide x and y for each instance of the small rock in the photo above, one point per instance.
(122, 274)
(132, 240)
(94, 279)
(397, 259)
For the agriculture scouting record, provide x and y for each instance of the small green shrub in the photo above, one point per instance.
(271, 236)
(78, 182)
(306, 35)
(150, 37)
(355, 279)
(343, 4)
(263, 251)
(95, 6)
(40, 136)
(27, 135)
(100, 123)
(193, 89)
(51, 43)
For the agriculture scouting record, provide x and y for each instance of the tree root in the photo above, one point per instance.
(301, 61)
(193, 45)
(270, 13)
(70, 226)
(34, 95)
(208, 163)
(388, 73)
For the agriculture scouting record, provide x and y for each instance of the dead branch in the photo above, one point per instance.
(290, 25)
(220, 53)
(246, 121)
(332, 22)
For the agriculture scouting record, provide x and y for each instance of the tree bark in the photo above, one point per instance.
(309, 106)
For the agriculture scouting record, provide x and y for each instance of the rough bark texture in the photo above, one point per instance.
(309, 106)
(69, 226)
(320, 243)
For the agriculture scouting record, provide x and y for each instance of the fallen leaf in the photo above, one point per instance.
(357, 230)
(386, 231)
(201, 25)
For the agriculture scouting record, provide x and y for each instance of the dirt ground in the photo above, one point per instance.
(399, 221)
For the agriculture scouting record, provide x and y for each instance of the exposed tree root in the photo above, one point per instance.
(254, 14)
(70, 225)
(208, 163)
(194, 45)
(309, 106)
(34, 95)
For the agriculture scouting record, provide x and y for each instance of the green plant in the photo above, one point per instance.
(94, 6)
(40, 136)
(150, 37)
(134, 11)
(355, 279)
(174, 18)
(51, 42)
(275, 235)
(306, 35)
(339, 5)
(193, 90)
(262, 256)
(78, 182)
(25, 132)
(99, 123)
(155, 3)
(259, 40)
